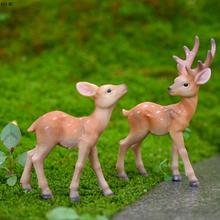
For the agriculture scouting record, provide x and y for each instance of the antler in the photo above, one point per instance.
(183, 65)
(208, 60)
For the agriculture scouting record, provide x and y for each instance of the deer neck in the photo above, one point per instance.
(101, 117)
(189, 105)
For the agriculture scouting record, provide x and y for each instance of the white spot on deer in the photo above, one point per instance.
(88, 121)
(158, 112)
(138, 112)
(54, 118)
(46, 127)
(64, 116)
(146, 105)
(161, 119)
(153, 106)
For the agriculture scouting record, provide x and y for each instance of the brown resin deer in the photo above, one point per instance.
(60, 128)
(152, 118)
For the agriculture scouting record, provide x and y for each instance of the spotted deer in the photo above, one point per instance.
(153, 118)
(61, 128)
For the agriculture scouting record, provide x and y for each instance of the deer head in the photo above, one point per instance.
(105, 96)
(188, 82)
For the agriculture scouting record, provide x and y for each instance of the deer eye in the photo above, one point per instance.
(109, 91)
(186, 84)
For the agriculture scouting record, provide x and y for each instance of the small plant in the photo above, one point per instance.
(65, 213)
(187, 133)
(164, 165)
(10, 136)
(162, 168)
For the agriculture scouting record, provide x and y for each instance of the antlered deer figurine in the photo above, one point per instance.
(149, 117)
(60, 128)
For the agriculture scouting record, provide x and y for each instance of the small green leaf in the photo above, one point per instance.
(87, 216)
(186, 133)
(101, 217)
(62, 213)
(11, 181)
(163, 164)
(3, 157)
(21, 159)
(11, 135)
(188, 130)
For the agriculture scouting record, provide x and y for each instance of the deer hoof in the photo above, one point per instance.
(144, 174)
(194, 183)
(176, 178)
(47, 196)
(26, 188)
(75, 198)
(123, 177)
(108, 192)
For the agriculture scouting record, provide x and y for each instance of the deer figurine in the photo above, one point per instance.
(60, 128)
(153, 118)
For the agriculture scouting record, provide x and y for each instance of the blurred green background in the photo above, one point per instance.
(47, 46)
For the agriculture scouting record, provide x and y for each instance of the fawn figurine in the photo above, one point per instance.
(60, 128)
(152, 118)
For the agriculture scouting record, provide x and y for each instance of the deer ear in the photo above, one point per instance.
(203, 76)
(86, 89)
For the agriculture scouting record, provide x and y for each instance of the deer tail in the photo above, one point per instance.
(32, 127)
(125, 112)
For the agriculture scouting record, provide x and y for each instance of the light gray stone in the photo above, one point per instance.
(178, 201)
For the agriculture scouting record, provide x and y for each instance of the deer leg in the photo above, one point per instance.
(93, 156)
(82, 156)
(38, 162)
(175, 164)
(179, 142)
(138, 159)
(130, 140)
(26, 175)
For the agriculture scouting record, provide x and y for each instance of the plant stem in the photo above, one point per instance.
(5, 169)
(11, 162)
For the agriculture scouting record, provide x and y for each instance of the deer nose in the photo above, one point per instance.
(124, 87)
(169, 88)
